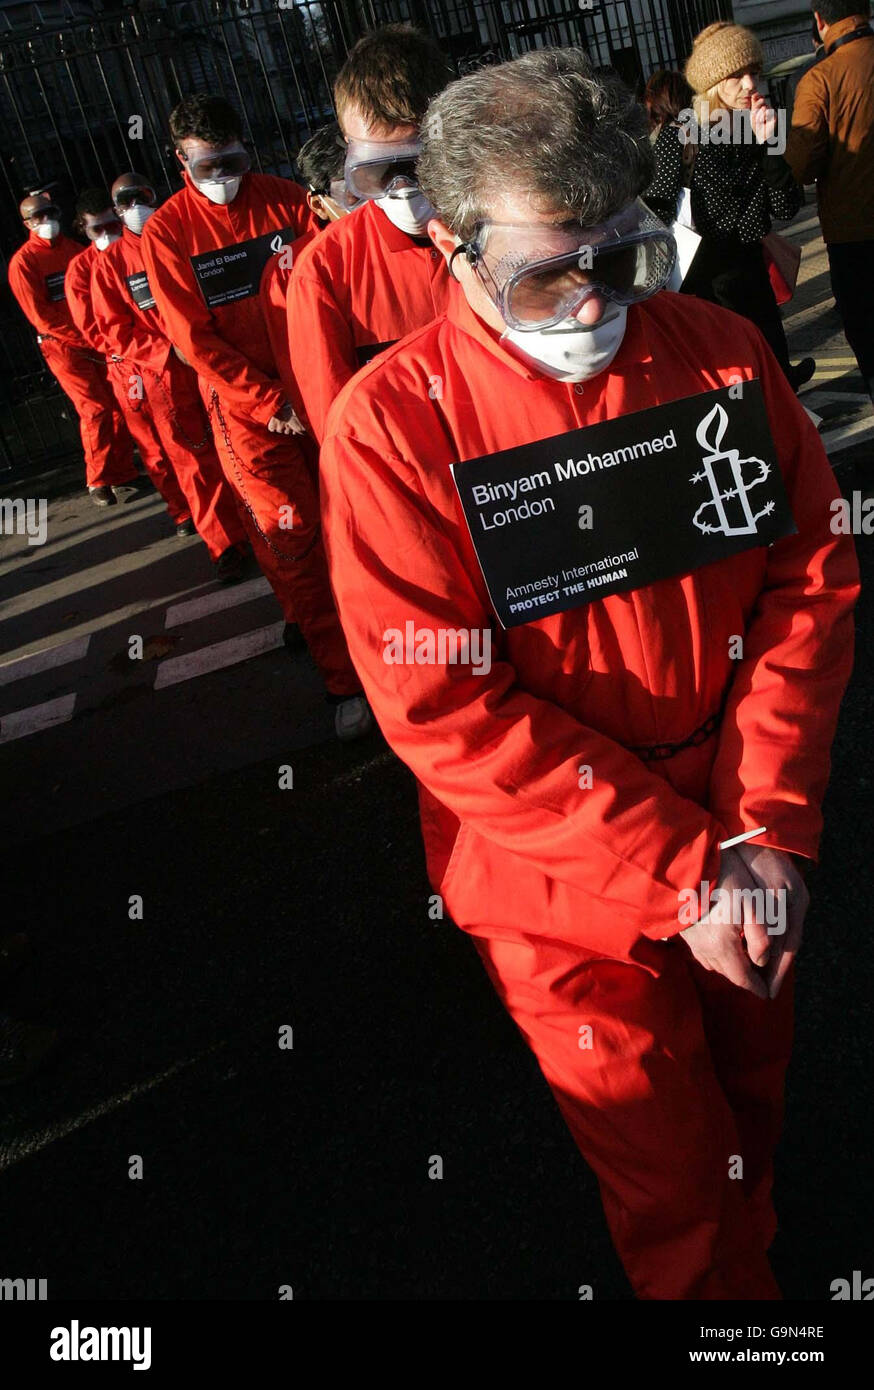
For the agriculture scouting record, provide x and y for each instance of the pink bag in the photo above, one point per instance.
(782, 259)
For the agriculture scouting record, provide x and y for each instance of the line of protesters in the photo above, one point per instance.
(450, 317)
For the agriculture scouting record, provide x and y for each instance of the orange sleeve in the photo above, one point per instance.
(772, 762)
(502, 759)
(191, 327)
(52, 319)
(126, 331)
(321, 343)
(77, 284)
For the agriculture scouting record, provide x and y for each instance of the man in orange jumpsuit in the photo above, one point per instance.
(37, 273)
(369, 279)
(205, 251)
(128, 323)
(98, 220)
(580, 772)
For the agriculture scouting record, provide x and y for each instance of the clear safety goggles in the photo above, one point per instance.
(376, 168)
(341, 195)
(221, 166)
(539, 275)
(136, 193)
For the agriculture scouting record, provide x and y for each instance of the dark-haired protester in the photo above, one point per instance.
(98, 220)
(205, 251)
(665, 95)
(37, 278)
(831, 143)
(166, 391)
(581, 768)
(371, 278)
(737, 185)
(320, 162)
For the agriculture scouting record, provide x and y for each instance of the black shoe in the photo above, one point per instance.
(186, 528)
(801, 372)
(229, 566)
(102, 496)
(293, 639)
(23, 1048)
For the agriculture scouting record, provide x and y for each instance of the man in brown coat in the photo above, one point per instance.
(831, 142)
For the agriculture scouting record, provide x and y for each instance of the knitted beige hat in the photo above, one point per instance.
(719, 51)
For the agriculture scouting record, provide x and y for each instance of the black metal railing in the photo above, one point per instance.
(85, 89)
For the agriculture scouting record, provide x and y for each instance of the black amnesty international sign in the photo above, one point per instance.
(55, 286)
(234, 272)
(617, 505)
(140, 290)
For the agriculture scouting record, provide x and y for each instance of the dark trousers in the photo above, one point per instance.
(852, 269)
(735, 276)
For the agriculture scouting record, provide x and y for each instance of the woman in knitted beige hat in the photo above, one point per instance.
(736, 183)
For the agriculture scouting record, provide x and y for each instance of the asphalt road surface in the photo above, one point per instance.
(306, 908)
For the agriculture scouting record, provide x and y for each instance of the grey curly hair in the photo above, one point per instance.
(545, 123)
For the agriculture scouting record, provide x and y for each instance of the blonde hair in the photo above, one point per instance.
(706, 104)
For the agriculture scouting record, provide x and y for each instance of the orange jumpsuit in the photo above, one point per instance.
(37, 278)
(568, 888)
(204, 263)
(134, 333)
(357, 288)
(133, 406)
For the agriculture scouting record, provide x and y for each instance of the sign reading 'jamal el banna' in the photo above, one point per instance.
(624, 503)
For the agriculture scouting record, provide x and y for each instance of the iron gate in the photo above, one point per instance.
(85, 91)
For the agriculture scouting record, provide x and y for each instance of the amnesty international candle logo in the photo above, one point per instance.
(724, 469)
(617, 505)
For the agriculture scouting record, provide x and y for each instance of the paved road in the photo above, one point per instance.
(308, 908)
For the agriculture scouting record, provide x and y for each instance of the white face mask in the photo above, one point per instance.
(135, 218)
(408, 209)
(220, 191)
(106, 239)
(49, 229)
(571, 351)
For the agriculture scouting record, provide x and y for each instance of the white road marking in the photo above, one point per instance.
(37, 555)
(219, 655)
(213, 603)
(25, 1145)
(820, 397)
(845, 360)
(806, 226)
(36, 718)
(68, 588)
(854, 433)
(62, 655)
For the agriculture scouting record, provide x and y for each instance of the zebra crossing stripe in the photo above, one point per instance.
(36, 718)
(186, 612)
(221, 654)
(23, 666)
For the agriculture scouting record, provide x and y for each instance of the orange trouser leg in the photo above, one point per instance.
(138, 417)
(108, 458)
(271, 477)
(179, 418)
(684, 1076)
